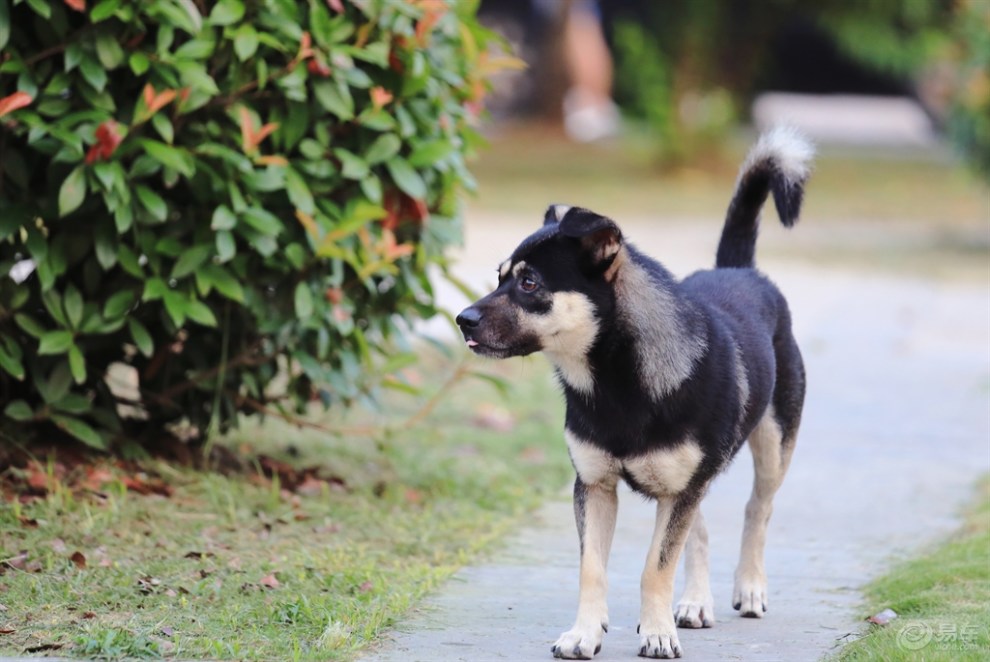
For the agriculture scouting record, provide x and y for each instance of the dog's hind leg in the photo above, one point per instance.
(595, 509)
(771, 456)
(696, 608)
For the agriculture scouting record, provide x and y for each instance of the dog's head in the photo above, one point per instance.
(552, 292)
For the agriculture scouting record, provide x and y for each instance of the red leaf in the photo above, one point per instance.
(16, 100)
(156, 101)
(78, 5)
(318, 67)
(305, 47)
(270, 581)
(380, 97)
(336, 5)
(79, 559)
(366, 586)
(107, 139)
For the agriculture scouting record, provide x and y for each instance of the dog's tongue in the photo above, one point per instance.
(472, 343)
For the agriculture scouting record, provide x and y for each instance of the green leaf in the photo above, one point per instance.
(171, 157)
(263, 221)
(163, 125)
(406, 178)
(58, 383)
(103, 10)
(118, 304)
(80, 430)
(105, 246)
(245, 42)
(77, 364)
(73, 403)
(223, 219)
(93, 72)
(299, 193)
(226, 246)
(335, 98)
(55, 342)
(72, 192)
(199, 312)
(429, 153)
(4, 23)
(72, 302)
(385, 147)
(227, 12)
(11, 364)
(191, 260)
(138, 63)
(29, 325)
(141, 337)
(109, 51)
(219, 278)
(152, 202)
(18, 410)
(353, 166)
(176, 306)
(303, 301)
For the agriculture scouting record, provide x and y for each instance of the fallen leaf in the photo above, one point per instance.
(312, 486)
(336, 5)
(78, 5)
(89, 614)
(79, 559)
(366, 586)
(17, 562)
(170, 593)
(270, 581)
(58, 546)
(28, 523)
(199, 555)
(7, 631)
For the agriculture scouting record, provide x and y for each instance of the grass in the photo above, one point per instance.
(908, 211)
(237, 567)
(942, 600)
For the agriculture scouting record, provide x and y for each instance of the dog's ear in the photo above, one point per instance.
(599, 235)
(554, 214)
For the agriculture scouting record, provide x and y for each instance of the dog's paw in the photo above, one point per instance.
(663, 644)
(691, 613)
(749, 597)
(580, 643)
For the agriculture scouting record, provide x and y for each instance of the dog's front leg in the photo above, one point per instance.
(594, 510)
(657, 632)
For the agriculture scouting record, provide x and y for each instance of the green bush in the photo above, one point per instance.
(238, 199)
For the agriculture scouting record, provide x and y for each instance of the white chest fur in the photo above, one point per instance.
(660, 472)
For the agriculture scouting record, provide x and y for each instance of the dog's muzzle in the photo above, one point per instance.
(469, 320)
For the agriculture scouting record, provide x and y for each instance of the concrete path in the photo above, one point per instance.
(896, 429)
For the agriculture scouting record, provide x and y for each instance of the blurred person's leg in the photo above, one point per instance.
(589, 113)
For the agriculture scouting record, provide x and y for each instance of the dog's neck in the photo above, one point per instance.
(660, 329)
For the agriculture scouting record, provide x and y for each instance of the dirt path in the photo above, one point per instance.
(896, 428)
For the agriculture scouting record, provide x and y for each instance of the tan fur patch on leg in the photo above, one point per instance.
(771, 457)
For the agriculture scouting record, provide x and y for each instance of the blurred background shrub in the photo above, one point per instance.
(226, 206)
(689, 71)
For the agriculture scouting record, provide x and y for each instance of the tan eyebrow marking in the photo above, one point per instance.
(519, 266)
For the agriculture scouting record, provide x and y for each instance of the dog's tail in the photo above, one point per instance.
(779, 162)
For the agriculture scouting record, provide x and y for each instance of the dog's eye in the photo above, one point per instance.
(528, 284)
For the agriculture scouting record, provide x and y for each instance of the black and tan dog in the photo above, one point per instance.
(664, 382)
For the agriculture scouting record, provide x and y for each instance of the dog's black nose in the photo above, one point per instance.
(469, 318)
